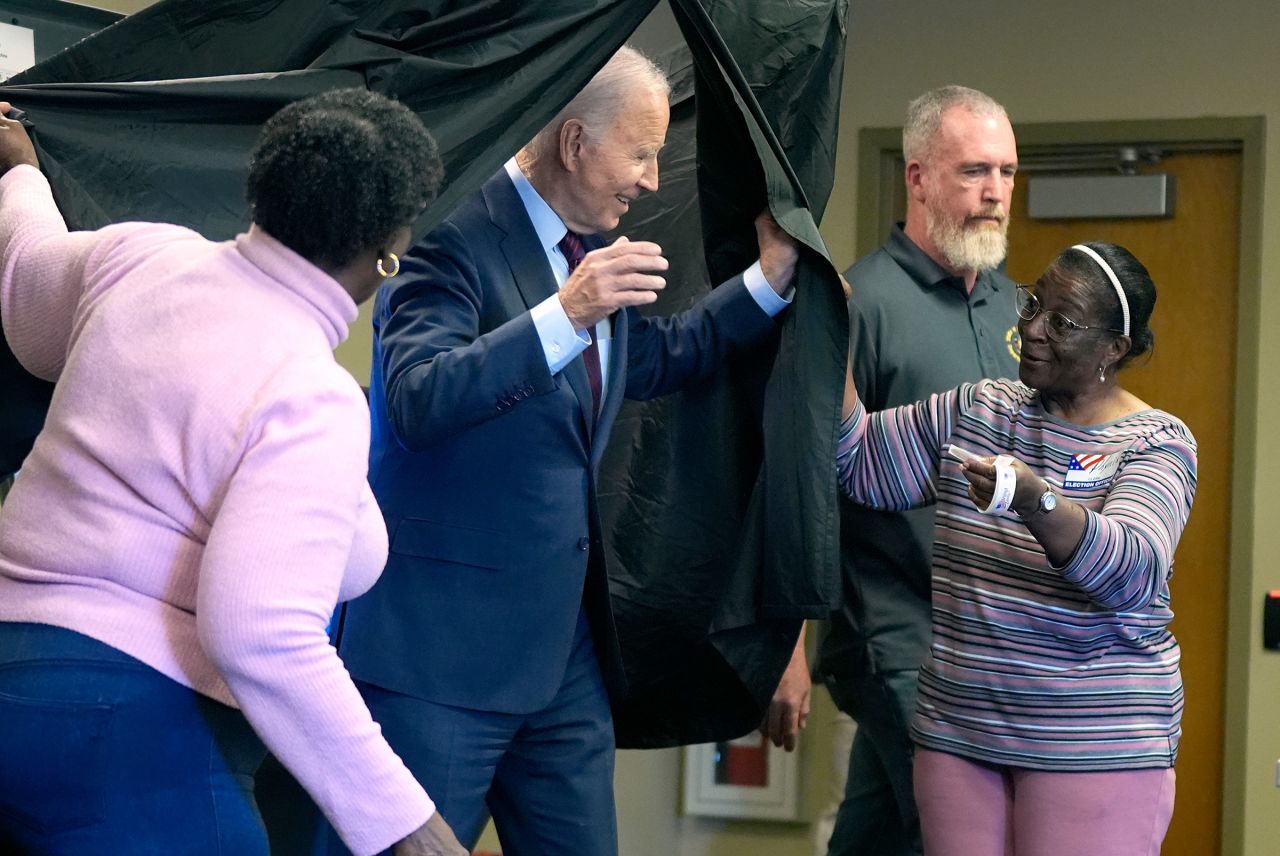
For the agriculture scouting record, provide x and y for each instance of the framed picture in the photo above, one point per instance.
(743, 778)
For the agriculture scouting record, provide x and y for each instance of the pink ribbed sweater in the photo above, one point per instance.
(198, 498)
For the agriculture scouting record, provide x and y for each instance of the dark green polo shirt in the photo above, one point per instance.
(913, 332)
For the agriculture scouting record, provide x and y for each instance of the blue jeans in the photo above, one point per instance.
(105, 755)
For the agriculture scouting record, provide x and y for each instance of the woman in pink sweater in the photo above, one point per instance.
(197, 503)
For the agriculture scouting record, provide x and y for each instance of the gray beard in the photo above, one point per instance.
(976, 249)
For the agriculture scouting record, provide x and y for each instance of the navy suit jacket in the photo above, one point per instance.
(485, 464)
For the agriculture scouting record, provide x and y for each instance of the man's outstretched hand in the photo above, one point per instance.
(621, 274)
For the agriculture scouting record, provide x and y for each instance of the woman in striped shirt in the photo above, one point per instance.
(1050, 702)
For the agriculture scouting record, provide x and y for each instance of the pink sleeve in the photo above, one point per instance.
(42, 271)
(269, 580)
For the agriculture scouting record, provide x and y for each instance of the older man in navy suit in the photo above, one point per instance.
(503, 352)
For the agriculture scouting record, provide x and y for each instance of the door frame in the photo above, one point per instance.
(879, 176)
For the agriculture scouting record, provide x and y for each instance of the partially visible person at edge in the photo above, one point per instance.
(197, 503)
(930, 309)
(501, 359)
(1050, 701)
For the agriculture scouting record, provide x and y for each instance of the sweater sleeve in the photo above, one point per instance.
(269, 580)
(42, 271)
(889, 459)
(1126, 554)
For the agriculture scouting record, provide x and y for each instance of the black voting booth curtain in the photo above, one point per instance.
(719, 503)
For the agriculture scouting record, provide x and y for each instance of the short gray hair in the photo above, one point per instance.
(603, 98)
(924, 116)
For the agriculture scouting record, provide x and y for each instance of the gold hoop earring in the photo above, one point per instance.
(395, 266)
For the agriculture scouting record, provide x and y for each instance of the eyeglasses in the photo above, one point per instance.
(1057, 326)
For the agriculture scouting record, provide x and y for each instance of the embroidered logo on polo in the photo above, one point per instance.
(1085, 471)
(1013, 341)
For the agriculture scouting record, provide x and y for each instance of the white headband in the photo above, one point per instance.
(1111, 275)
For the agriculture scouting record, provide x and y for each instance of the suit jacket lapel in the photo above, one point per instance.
(616, 387)
(524, 254)
(531, 272)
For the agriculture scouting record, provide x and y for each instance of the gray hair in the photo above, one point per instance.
(924, 116)
(602, 99)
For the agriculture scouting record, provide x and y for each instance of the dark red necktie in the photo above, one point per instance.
(571, 246)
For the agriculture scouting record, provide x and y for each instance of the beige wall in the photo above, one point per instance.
(126, 6)
(1056, 62)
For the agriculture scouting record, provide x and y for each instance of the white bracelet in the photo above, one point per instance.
(1006, 483)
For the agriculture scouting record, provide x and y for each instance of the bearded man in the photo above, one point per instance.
(929, 311)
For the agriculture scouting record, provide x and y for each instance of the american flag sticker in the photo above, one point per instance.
(1086, 471)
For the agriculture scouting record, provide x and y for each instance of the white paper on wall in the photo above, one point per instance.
(17, 49)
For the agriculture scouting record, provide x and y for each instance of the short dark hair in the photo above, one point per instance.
(336, 174)
(1135, 279)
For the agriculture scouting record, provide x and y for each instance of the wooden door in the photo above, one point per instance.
(1193, 258)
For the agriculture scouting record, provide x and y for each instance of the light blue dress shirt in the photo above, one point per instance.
(560, 342)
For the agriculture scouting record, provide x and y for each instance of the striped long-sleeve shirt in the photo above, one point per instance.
(1030, 665)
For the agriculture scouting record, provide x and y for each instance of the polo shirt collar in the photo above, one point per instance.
(926, 271)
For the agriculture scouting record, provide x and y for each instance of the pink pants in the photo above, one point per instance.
(973, 809)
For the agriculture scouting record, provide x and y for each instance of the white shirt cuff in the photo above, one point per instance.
(762, 292)
(560, 342)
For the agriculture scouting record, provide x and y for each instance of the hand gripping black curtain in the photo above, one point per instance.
(719, 503)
